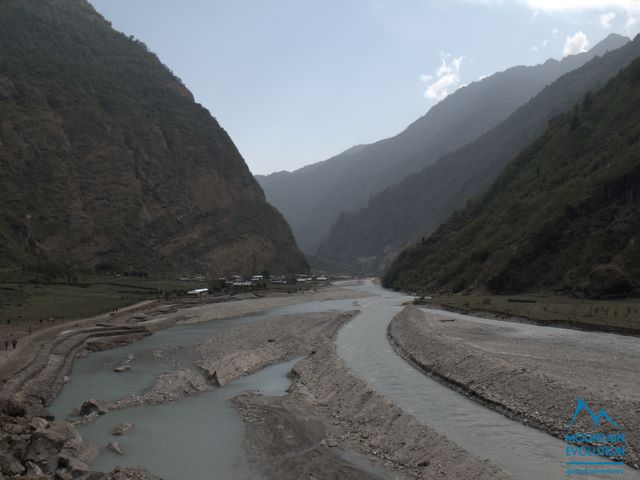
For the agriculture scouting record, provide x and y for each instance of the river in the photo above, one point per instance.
(201, 437)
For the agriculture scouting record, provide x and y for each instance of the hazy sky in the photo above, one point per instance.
(298, 81)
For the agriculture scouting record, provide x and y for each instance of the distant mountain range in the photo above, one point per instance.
(313, 197)
(414, 207)
(106, 158)
(564, 215)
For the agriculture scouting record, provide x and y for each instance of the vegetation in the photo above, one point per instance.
(563, 216)
(27, 301)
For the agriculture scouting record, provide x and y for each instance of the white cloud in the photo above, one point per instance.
(632, 21)
(575, 44)
(545, 42)
(606, 19)
(447, 77)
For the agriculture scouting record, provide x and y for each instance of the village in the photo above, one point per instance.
(238, 283)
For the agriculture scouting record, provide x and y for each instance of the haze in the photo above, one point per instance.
(297, 82)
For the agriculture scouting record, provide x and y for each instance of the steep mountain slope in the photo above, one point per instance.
(565, 214)
(312, 198)
(105, 156)
(418, 204)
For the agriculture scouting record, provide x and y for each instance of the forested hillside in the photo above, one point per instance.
(105, 157)
(564, 215)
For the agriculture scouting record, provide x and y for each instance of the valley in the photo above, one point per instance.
(188, 293)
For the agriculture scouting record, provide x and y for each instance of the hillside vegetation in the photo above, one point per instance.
(564, 215)
(313, 197)
(105, 157)
(417, 205)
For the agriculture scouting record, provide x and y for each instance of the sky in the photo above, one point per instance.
(295, 82)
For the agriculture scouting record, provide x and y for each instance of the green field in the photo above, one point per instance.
(24, 304)
(622, 315)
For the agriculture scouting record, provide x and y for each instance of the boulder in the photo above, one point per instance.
(39, 411)
(84, 451)
(63, 475)
(13, 408)
(91, 406)
(67, 431)
(72, 465)
(9, 465)
(33, 470)
(121, 429)
(43, 449)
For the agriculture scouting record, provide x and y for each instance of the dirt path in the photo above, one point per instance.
(12, 361)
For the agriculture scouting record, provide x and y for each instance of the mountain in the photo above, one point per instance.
(416, 206)
(105, 157)
(564, 215)
(312, 198)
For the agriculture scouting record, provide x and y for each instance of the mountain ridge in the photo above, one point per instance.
(311, 198)
(370, 238)
(562, 216)
(107, 158)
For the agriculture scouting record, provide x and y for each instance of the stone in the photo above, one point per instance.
(91, 406)
(14, 408)
(83, 450)
(121, 429)
(38, 423)
(72, 465)
(63, 475)
(33, 470)
(9, 465)
(115, 447)
(39, 411)
(66, 430)
(43, 449)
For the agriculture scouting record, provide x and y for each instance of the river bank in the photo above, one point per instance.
(33, 375)
(609, 316)
(534, 382)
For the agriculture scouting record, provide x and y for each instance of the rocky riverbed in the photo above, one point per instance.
(329, 411)
(243, 350)
(535, 381)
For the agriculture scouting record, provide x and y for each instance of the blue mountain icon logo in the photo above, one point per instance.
(595, 417)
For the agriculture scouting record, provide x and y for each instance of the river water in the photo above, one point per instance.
(201, 437)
